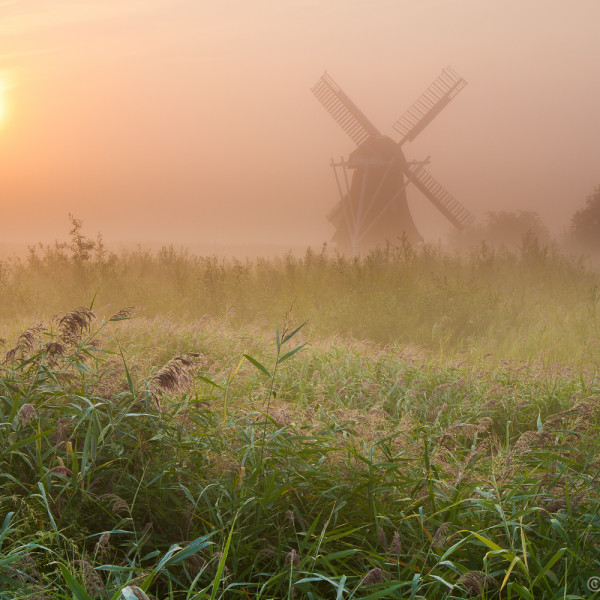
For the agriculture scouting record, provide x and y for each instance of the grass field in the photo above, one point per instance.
(437, 436)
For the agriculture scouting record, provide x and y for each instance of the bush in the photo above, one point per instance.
(503, 229)
(585, 224)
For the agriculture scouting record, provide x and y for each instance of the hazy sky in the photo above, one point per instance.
(192, 120)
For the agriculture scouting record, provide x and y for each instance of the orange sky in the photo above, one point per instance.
(191, 121)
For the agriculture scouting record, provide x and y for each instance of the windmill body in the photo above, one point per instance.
(372, 182)
(375, 208)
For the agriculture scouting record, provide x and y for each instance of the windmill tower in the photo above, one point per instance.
(372, 181)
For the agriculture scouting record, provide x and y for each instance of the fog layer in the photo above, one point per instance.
(192, 121)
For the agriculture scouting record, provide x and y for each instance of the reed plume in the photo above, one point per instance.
(292, 559)
(475, 582)
(55, 349)
(26, 414)
(440, 536)
(396, 546)
(73, 324)
(26, 344)
(116, 503)
(177, 373)
(124, 314)
(374, 576)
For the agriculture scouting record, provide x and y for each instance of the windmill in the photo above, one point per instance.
(373, 207)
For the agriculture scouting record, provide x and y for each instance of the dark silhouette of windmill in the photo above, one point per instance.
(373, 208)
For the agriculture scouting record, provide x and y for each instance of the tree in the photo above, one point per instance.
(504, 229)
(510, 228)
(585, 224)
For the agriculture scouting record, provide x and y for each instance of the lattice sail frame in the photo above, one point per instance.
(429, 105)
(350, 118)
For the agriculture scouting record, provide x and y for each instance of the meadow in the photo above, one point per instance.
(410, 424)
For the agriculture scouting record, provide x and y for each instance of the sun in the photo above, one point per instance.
(6, 83)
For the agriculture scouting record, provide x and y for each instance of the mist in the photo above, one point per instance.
(192, 122)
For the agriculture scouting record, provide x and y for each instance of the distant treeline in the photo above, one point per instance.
(507, 229)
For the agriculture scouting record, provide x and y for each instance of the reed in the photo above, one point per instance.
(340, 468)
(528, 303)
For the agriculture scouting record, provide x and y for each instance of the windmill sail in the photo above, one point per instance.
(451, 208)
(343, 110)
(429, 105)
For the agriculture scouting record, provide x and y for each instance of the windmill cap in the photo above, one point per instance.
(379, 149)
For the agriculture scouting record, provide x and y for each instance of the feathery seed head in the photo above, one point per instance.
(26, 414)
(475, 582)
(374, 576)
(117, 504)
(292, 559)
(382, 537)
(103, 542)
(72, 325)
(124, 314)
(396, 546)
(440, 536)
(26, 344)
(177, 373)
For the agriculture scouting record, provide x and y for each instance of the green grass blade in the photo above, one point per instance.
(289, 336)
(258, 365)
(76, 588)
(557, 556)
(219, 573)
(291, 353)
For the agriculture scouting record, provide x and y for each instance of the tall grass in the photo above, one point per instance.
(529, 303)
(147, 459)
(437, 438)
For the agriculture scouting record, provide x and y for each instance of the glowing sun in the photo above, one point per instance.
(5, 85)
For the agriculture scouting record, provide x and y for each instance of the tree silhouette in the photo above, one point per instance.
(503, 229)
(509, 228)
(585, 224)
